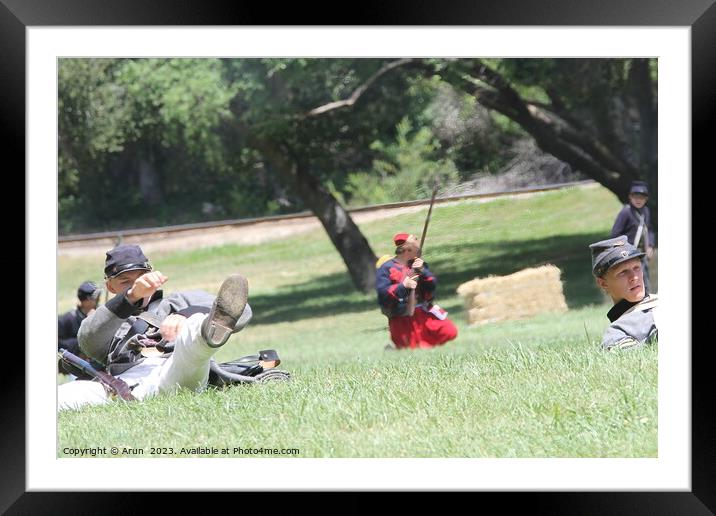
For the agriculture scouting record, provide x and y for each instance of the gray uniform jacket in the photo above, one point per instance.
(632, 324)
(100, 336)
(627, 223)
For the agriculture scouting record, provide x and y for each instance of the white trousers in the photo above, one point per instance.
(186, 367)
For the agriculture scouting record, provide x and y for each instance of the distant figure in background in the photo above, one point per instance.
(616, 265)
(634, 221)
(68, 324)
(396, 277)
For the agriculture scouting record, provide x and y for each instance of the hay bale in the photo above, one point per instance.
(521, 295)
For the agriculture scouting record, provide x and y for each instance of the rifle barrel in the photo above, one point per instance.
(427, 219)
(73, 359)
(411, 296)
(116, 385)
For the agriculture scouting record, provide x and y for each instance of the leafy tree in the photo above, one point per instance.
(160, 137)
(177, 140)
(404, 169)
(139, 135)
(289, 112)
(598, 115)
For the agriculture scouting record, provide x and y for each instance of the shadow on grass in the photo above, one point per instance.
(334, 294)
(570, 253)
(331, 294)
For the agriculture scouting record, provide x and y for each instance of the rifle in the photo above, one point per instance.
(411, 296)
(116, 386)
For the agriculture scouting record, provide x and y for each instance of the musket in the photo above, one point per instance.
(411, 296)
(115, 385)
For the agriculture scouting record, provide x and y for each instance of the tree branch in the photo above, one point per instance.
(551, 141)
(331, 106)
(555, 136)
(591, 145)
(640, 86)
(558, 108)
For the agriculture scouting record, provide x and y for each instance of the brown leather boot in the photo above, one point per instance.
(228, 307)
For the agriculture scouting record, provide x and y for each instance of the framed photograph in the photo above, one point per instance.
(35, 34)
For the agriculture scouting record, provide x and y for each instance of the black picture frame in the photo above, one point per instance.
(700, 15)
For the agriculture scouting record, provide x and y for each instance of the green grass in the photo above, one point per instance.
(534, 388)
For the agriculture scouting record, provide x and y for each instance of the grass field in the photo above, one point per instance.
(534, 388)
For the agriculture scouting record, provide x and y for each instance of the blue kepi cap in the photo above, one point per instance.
(123, 258)
(608, 253)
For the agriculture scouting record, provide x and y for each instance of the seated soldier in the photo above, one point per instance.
(68, 324)
(617, 267)
(428, 325)
(194, 322)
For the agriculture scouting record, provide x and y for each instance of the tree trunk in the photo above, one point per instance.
(644, 97)
(343, 232)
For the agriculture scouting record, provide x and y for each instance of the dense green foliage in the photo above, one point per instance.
(147, 142)
(403, 171)
(532, 388)
(155, 141)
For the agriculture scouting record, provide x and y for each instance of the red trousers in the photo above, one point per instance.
(422, 330)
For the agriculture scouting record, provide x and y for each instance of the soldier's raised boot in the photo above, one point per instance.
(226, 311)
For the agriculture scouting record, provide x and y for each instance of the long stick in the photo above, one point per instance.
(427, 219)
(116, 385)
(411, 297)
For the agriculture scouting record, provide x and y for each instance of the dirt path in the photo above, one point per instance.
(222, 235)
(248, 234)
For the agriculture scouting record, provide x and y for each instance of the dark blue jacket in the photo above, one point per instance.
(68, 324)
(627, 224)
(393, 296)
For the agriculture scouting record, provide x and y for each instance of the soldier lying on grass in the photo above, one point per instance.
(617, 266)
(193, 325)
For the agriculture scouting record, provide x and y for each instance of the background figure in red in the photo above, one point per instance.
(428, 326)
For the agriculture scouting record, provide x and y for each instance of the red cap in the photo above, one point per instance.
(400, 238)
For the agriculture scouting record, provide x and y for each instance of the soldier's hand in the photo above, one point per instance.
(410, 282)
(146, 285)
(172, 326)
(418, 264)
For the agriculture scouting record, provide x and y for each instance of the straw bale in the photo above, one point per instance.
(521, 295)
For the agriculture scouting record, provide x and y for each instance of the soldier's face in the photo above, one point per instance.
(123, 281)
(624, 281)
(411, 250)
(638, 200)
(88, 304)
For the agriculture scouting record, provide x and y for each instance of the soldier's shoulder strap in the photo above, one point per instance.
(640, 229)
(649, 302)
